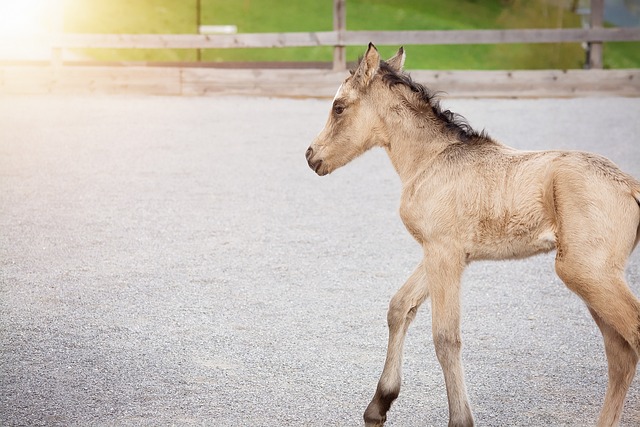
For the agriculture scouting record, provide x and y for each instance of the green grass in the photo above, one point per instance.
(179, 16)
(622, 55)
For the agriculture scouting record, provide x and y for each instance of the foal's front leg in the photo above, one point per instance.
(444, 270)
(402, 310)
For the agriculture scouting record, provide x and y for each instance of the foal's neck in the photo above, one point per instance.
(413, 144)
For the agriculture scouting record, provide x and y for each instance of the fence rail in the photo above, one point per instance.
(338, 38)
(197, 81)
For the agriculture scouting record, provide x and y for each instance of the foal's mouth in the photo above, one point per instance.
(316, 165)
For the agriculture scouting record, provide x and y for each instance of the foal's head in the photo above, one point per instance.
(356, 121)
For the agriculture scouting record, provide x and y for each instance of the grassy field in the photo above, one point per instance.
(179, 16)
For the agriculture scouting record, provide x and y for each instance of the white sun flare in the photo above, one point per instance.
(23, 17)
(24, 26)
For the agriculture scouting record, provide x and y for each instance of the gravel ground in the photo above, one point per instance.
(173, 261)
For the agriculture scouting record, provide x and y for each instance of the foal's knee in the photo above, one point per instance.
(400, 311)
(448, 346)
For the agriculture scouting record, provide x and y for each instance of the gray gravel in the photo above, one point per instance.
(173, 261)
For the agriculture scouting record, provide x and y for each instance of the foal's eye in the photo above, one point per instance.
(338, 109)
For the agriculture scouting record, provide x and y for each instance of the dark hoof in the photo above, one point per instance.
(373, 418)
(376, 413)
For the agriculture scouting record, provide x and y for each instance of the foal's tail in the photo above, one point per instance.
(636, 195)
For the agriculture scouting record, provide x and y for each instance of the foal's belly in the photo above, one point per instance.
(503, 246)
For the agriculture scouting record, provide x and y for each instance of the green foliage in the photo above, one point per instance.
(254, 16)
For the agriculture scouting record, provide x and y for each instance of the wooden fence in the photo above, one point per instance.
(180, 80)
(340, 37)
(183, 81)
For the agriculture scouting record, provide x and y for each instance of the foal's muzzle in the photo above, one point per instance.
(314, 164)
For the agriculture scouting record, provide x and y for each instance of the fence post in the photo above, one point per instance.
(56, 57)
(339, 26)
(54, 31)
(198, 23)
(595, 47)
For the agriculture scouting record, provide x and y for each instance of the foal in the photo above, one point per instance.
(467, 197)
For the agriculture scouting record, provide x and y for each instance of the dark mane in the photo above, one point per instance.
(452, 122)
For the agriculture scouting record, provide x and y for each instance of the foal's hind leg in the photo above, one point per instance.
(597, 228)
(622, 361)
(617, 313)
(402, 310)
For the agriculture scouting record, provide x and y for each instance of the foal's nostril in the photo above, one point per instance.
(309, 153)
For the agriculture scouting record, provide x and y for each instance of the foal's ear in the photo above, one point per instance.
(369, 65)
(397, 61)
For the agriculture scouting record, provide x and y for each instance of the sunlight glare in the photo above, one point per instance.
(24, 25)
(23, 17)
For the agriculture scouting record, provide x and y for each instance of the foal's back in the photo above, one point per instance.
(506, 203)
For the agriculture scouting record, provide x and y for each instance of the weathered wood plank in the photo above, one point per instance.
(533, 83)
(90, 80)
(316, 83)
(292, 83)
(26, 80)
(307, 83)
(193, 41)
(491, 36)
(328, 38)
(340, 38)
